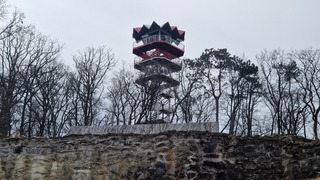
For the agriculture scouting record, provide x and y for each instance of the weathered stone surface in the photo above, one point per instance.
(144, 128)
(169, 155)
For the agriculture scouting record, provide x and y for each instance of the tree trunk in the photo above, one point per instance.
(5, 122)
(315, 126)
(217, 109)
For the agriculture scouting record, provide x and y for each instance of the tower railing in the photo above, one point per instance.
(176, 61)
(159, 38)
(166, 78)
(151, 72)
(157, 53)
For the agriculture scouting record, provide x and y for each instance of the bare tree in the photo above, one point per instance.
(13, 25)
(49, 100)
(309, 82)
(92, 65)
(3, 9)
(124, 98)
(24, 55)
(274, 86)
(7, 79)
(192, 102)
(72, 90)
(184, 95)
(281, 93)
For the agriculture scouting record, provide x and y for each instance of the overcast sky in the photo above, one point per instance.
(242, 26)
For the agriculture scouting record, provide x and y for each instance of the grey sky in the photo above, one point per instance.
(242, 26)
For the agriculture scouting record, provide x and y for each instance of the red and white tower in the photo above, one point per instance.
(158, 49)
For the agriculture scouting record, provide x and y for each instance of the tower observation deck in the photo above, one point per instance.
(158, 50)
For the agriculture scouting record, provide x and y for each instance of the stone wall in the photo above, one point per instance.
(144, 128)
(169, 155)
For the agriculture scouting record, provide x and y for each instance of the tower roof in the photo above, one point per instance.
(175, 33)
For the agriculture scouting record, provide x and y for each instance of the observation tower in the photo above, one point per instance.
(158, 50)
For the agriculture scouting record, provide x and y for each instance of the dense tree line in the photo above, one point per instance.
(39, 95)
(279, 94)
(276, 93)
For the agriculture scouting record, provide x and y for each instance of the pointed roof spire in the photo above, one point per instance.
(175, 33)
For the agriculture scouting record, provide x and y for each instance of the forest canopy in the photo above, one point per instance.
(278, 92)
